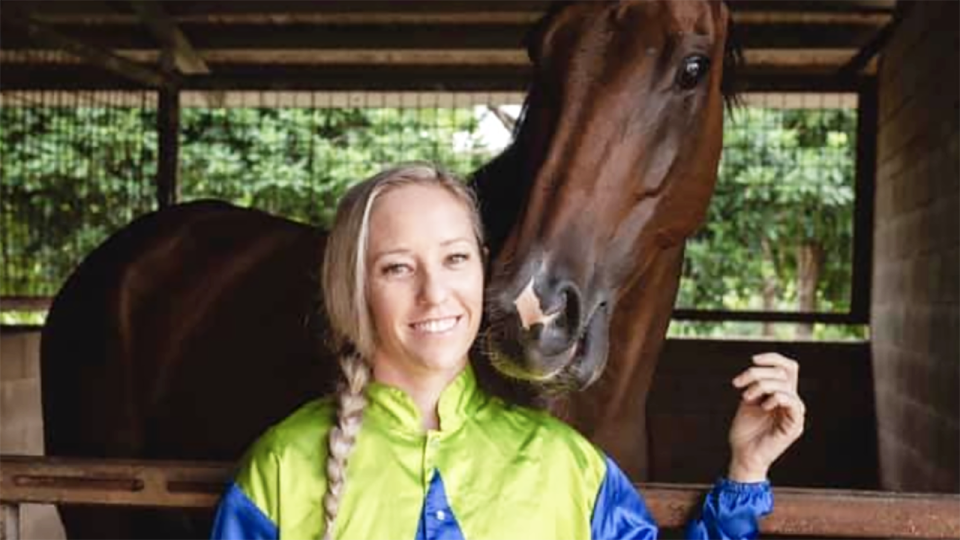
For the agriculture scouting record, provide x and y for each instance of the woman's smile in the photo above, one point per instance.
(442, 325)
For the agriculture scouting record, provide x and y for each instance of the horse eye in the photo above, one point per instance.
(692, 70)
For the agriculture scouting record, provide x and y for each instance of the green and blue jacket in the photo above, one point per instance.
(492, 471)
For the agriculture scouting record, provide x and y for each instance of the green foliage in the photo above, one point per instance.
(786, 178)
(71, 176)
(299, 162)
(22, 318)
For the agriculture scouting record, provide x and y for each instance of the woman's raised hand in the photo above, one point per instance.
(769, 418)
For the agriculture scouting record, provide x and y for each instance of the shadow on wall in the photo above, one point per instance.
(692, 402)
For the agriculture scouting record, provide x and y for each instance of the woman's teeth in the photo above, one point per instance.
(435, 326)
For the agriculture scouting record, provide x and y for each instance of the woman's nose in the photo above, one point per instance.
(433, 287)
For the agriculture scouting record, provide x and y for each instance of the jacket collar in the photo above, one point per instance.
(396, 409)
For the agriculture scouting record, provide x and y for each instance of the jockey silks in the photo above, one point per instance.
(492, 471)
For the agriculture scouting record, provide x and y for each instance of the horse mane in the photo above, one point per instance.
(733, 63)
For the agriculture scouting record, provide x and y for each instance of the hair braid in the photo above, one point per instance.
(350, 405)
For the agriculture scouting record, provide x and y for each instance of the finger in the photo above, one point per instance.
(791, 408)
(787, 423)
(754, 374)
(765, 387)
(776, 359)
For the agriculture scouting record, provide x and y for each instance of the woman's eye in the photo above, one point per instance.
(396, 269)
(458, 258)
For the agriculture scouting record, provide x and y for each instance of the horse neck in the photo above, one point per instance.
(639, 328)
(501, 189)
(503, 184)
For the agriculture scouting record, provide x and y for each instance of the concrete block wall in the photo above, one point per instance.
(915, 315)
(21, 419)
(22, 427)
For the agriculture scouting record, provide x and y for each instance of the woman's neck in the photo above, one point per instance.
(424, 388)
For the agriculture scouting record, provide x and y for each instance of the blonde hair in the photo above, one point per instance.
(344, 292)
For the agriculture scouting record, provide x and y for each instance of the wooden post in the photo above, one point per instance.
(864, 189)
(168, 153)
(10, 522)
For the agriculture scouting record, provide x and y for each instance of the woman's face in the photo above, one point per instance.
(424, 282)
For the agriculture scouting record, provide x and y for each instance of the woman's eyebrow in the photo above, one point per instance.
(455, 240)
(406, 251)
(396, 251)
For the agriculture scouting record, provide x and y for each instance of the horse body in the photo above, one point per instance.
(181, 337)
(193, 329)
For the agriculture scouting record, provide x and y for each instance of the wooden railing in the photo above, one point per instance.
(822, 513)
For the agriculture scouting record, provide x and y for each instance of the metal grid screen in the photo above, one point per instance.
(779, 231)
(295, 154)
(74, 168)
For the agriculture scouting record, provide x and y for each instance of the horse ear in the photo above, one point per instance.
(536, 38)
(533, 38)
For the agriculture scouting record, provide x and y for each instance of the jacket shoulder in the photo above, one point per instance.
(553, 436)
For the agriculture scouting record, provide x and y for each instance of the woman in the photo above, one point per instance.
(414, 449)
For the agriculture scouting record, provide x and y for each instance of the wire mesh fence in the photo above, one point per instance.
(779, 231)
(77, 166)
(74, 168)
(295, 154)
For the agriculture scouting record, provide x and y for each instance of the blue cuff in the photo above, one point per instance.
(732, 510)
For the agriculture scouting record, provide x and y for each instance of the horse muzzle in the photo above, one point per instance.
(547, 340)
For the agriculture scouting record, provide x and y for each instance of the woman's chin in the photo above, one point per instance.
(443, 360)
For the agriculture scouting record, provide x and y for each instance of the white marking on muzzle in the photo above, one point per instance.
(528, 307)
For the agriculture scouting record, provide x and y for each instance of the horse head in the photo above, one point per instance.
(622, 133)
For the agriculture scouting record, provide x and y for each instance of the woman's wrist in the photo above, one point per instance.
(746, 474)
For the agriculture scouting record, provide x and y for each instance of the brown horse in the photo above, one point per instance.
(191, 330)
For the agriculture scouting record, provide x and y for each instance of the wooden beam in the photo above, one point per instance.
(263, 78)
(25, 303)
(185, 58)
(268, 36)
(359, 78)
(763, 316)
(90, 54)
(865, 55)
(817, 513)
(418, 12)
(847, 6)
(168, 152)
(483, 16)
(800, 60)
(753, 18)
(302, 7)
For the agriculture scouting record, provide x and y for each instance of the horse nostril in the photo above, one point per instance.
(561, 331)
(569, 319)
(536, 331)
